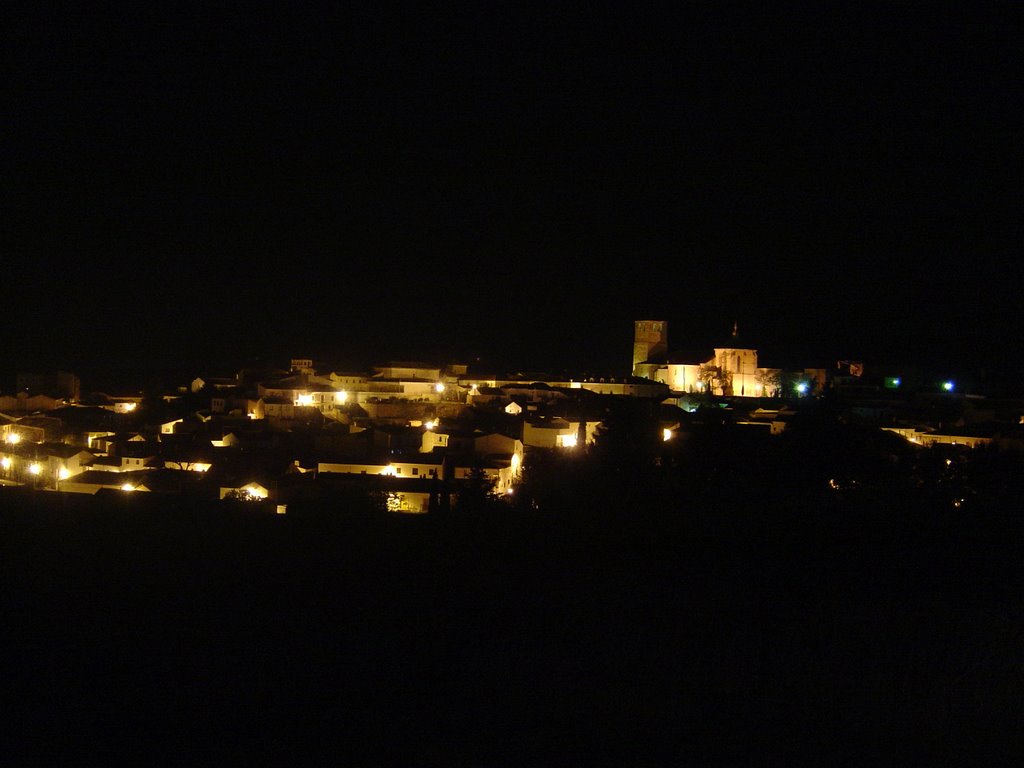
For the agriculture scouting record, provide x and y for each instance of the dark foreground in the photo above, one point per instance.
(849, 633)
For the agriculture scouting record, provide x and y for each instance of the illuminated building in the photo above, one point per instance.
(650, 342)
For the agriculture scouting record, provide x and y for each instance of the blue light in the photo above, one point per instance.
(802, 387)
(948, 386)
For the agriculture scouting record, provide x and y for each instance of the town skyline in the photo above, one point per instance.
(135, 371)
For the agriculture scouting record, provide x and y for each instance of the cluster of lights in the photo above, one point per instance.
(34, 468)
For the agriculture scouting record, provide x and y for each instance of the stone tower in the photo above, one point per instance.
(650, 341)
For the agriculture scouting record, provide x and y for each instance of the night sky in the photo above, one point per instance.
(186, 185)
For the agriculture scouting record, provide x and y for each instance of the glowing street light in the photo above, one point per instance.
(439, 388)
(35, 468)
(802, 388)
(5, 462)
(13, 438)
(947, 386)
(666, 434)
(127, 487)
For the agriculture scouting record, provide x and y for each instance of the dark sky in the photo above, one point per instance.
(186, 184)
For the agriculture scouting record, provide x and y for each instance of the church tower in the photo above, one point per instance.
(650, 342)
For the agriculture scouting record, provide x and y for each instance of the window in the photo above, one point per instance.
(415, 470)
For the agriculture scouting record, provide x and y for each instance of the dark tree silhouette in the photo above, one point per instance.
(477, 492)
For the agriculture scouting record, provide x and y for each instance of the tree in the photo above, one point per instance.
(707, 375)
(626, 455)
(152, 409)
(240, 494)
(477, 491)
(770, 380)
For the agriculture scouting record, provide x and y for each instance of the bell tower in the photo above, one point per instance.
(650, 340)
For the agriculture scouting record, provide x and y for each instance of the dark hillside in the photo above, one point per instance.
(757, 632)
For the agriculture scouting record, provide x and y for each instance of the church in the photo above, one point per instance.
(729, 370)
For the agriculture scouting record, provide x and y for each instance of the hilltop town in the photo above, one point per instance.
(414, 436)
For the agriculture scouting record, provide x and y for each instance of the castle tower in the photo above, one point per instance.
(650, 341)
